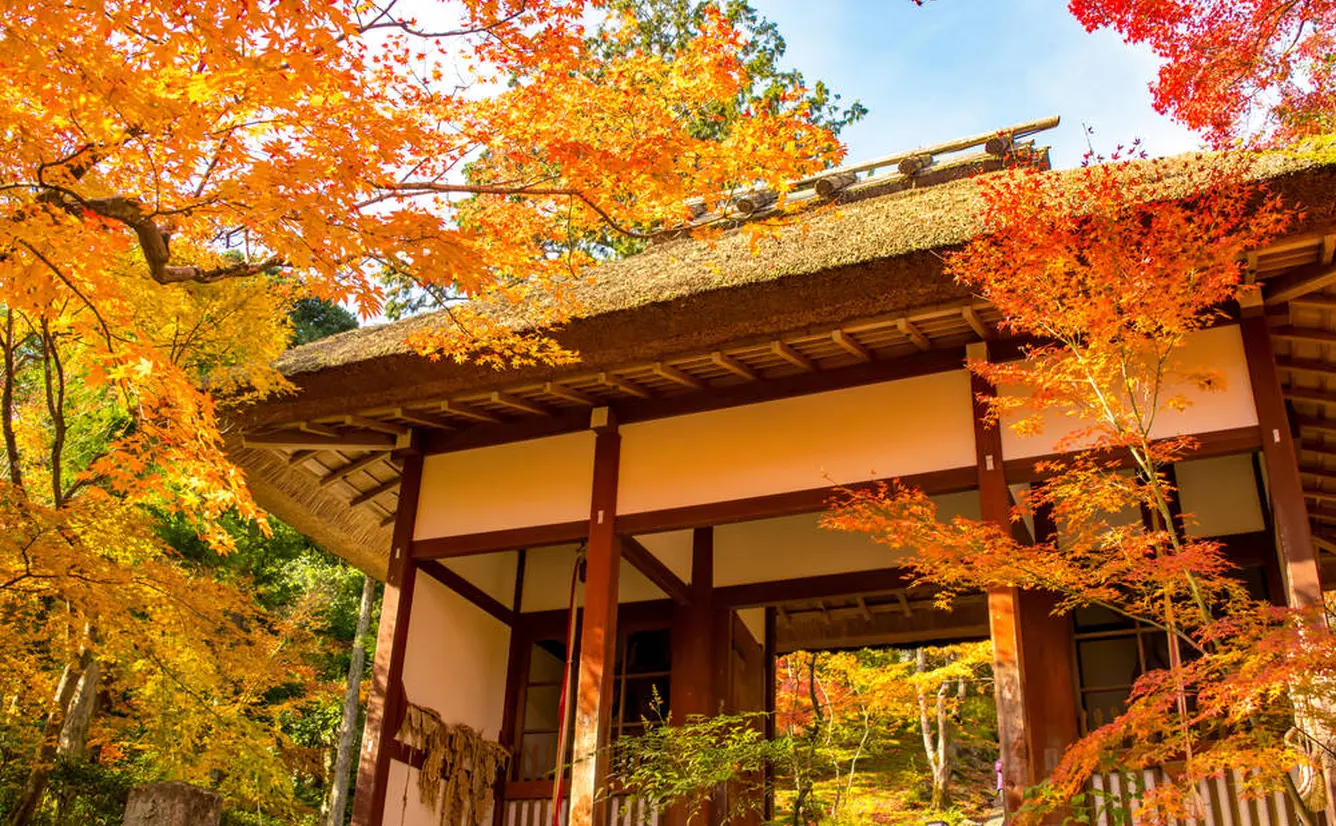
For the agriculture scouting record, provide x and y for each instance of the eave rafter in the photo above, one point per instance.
(351, 454)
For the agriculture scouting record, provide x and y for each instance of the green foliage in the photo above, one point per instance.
(315, 318)
(665, 26)
(685, 763)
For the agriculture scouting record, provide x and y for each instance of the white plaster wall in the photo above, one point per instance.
(493, 573)
(1219, 349)
(456, 665)
(791, 547)
(891, 429)
(1219, 496)
(535, 482)
(547, 580)
(456, 658)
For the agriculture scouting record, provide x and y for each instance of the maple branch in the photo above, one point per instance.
(429, 187)
(396, 23)
(55, 405)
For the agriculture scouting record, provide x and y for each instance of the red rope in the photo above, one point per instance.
(563, 731)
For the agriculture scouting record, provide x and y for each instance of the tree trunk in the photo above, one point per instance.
(34, 788)
(73, 741)
(338, 789)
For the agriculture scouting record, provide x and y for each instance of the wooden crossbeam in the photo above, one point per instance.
(792, 356)
(1318, 448)
(655, 571)
(1320, 495)
(388, 520)
(1302, 281)
(368, 495)
(1304, 334)
(628, 387)
(1325, 540)
(297, 440)
(733, 366)
(344, 471)
(319, 429)
(1315, 302)
(467, 590)
(847, 344)
(913, 333)
(1316, 367)
(421, 419)
(377, 425)
(299, 456)
(522, 405)
(976, 323)
(1316, 423)
(464, 411)
(1310, 394)
(676, 376)
(904, 603)
(561, 391)
(863, 609)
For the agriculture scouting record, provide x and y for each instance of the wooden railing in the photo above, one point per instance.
(526, 804)
(1221, 797)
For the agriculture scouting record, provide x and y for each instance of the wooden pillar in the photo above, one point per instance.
(1054, 721)
(598, 634)
(1004, 620)
(692, 663)
(771, 688)
(1294, 537)
(385, 705)
(516, 667)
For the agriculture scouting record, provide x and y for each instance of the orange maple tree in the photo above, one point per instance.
(1234, 67)
(1113, 268)
(173, 175)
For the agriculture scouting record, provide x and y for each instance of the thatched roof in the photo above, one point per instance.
(875, 252)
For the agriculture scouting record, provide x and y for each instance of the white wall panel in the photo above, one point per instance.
(1219, 496)
(842, 436)
(1219, 349)
(547, 580)
(521, 484)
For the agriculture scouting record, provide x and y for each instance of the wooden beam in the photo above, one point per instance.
(375, 424)
(511, 539)
(630, 388)
(372, 493)
(480, 598)
(522, 405)
(1323, 303)
(792, 356)
(319, 429)
(905, 607)
(464, 411)
(561, 391)
(846, 343)
(298, 440)
(654, 570)
(385, 705)
(1302, 281)
(421, 419)
(598, 637)
(776, 592)
(692, 667)
(976, 323)
(1315, 367)
(1289, 511)
(298, 456)
(913, 333)
(1290, 332)
(1316, 423)
(676, 376)
(733, 366)
(1310, 394)
(344, 471)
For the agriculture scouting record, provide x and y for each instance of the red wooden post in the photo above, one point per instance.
(598, 634)
(1294, 537)
(385, 705)
(692, 663)
(1004, 621)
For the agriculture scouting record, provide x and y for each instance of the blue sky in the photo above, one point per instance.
(956, 67)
